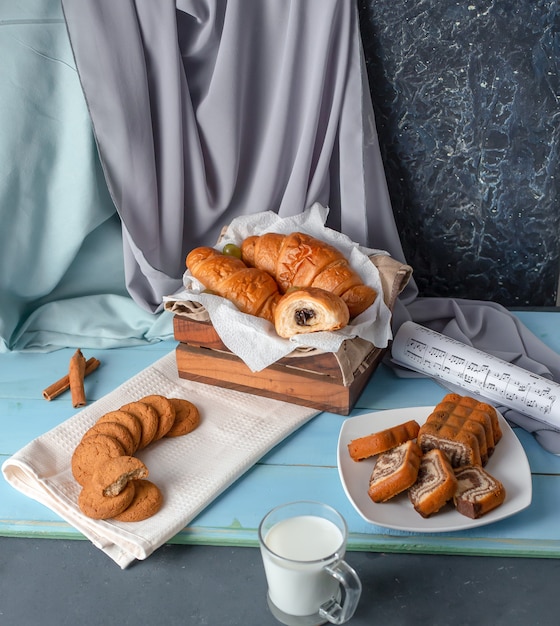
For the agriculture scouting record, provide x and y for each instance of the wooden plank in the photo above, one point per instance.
(523, 534)
(304, 380)
(281, 383)
(232, 519)
(196, 333)
(233, 529)
(203, 335)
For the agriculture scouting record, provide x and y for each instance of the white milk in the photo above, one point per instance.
(300, 586)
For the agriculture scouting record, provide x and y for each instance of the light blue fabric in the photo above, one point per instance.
(61, 261)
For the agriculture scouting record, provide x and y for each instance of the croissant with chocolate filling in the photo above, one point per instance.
(251, 290)
(309, 310)
(299, 260)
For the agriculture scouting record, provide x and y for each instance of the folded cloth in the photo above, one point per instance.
(236, 430)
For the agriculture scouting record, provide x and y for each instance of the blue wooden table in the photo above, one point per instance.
(303, 466)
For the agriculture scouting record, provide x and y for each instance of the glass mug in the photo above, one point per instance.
(302, 546)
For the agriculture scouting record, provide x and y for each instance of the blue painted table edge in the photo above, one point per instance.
(534, 534)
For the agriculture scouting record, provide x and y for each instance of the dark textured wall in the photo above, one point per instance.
(467, 102)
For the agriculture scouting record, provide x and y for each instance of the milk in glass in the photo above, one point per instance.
(298, 585)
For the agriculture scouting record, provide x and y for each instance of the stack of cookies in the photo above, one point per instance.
(114, 482)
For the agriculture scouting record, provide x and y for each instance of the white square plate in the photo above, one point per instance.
(508, 464)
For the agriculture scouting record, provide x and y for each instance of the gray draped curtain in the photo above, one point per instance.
(208, 109)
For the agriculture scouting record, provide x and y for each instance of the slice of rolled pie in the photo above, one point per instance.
(376, 443)
(478, 492)
(394, 471)
(309, 310)
(436, 483)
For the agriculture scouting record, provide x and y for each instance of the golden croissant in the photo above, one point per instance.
(251, 290)
(309, 310)
(300, 260)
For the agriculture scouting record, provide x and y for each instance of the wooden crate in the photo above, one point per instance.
(315, 381)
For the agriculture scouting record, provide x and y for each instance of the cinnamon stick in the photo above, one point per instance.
(63, 384)
(76, 375)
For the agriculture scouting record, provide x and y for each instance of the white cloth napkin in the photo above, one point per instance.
(253, 339)
(236, 430)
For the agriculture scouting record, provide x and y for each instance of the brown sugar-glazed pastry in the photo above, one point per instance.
(251, 290)
(90, 452)
(187, 417)
(148, 418)
(370, 445)
(147, 501)
(309, 310)
(115, 430)
(435, 485)
(95, 504)
(165, 412)
(394, 471)
(478, 492)
(126, 419)
(300, 260)
(113, 474)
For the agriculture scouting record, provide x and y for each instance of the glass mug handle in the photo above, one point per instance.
(340, 613)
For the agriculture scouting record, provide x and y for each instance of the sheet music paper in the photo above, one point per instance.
(499, 382)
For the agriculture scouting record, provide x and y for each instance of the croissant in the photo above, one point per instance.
(309, 310)
(299, 260)
(251, 290)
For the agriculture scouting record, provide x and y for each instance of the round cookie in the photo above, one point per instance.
(147, 501)
(149, 419)
(114, 474)
(165, 411)
(187, 417)
(116, 430)
(90, 452)
(94, 504)
(126, 419)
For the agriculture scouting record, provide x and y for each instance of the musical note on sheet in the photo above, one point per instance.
(429, 352)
